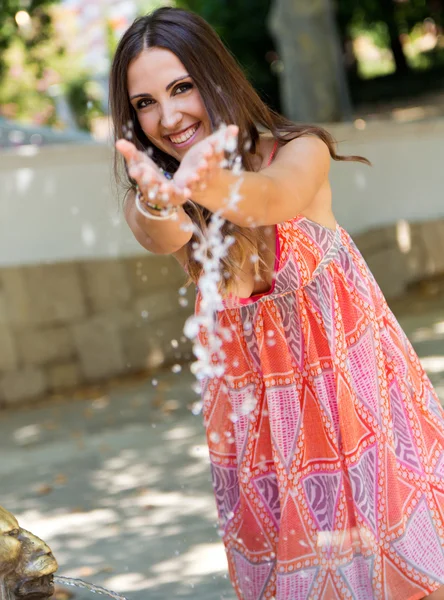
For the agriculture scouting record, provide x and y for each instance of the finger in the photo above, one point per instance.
(128, 150)
(134, 156)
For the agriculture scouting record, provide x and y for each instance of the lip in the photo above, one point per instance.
(188, 142)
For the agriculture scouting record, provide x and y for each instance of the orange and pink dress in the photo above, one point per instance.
(326, 437)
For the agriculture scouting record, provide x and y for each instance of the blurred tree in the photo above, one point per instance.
(28, 19)
(242, 26)
(41, 82)
(397, 18)
(313, 79)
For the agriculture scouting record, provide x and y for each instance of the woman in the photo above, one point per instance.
(331, 483)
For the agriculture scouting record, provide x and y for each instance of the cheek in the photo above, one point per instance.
(149, 125)
(9, 551)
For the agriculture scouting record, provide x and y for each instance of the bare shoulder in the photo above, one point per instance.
(307, 148)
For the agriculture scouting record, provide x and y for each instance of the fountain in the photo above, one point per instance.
(27, 565)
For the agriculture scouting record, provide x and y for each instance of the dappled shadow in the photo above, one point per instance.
(125, 503)
(424, 326)
(121, 490)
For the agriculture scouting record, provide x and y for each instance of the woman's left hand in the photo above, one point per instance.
(202, 162)
(150, 179)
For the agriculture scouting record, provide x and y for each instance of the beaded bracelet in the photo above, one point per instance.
(165, 213)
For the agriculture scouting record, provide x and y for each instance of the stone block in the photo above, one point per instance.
(157, 305)
(417, 258)
(105, 283)
(376, 240)
(8, 350)
(99, 348)
(55, 292)
(137, 344)
(163, 333)
(119, 318)
(390, 270)
(15, 303)
(432, 234)
(23, 384)
(152, 272)
(64, 376)
(148, 345)
(45, 345)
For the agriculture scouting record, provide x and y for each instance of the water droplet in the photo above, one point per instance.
(176, 368)
(196, 409)
(233, 418)
(174, 343)
(144, 314)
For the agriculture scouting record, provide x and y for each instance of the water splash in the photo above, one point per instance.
(212, 246)
(95, 589)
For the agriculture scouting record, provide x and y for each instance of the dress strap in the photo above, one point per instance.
(273, 153)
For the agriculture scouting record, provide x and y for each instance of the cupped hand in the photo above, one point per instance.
(202, 162)
(153, 185)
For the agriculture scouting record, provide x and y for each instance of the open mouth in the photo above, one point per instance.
(185, 137)
(36, 589)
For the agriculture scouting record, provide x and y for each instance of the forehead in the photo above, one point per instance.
(153, 68)
(7, 521)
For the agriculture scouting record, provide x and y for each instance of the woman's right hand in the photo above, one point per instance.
(153, 185)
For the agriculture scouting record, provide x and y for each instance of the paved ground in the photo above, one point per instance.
(120, 488)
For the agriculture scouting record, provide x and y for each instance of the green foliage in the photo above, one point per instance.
(35, 67)
(39, 31)
(242, 26)
(83, 96)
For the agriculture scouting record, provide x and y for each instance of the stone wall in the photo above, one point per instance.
(403, 254)
(68, 324)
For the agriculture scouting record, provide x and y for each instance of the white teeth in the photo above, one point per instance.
(180, 139)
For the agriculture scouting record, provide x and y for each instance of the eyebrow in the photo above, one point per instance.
(168, 87)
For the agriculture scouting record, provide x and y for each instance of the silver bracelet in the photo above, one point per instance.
(168, 213)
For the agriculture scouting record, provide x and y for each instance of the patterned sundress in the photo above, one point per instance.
(326, 437)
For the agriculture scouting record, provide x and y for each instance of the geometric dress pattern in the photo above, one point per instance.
(326, 437)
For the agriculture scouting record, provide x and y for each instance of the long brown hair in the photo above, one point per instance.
(228, 98)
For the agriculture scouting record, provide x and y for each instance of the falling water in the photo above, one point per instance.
(209, 250)
(95, 589)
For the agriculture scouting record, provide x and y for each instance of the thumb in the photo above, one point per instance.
(128, 151)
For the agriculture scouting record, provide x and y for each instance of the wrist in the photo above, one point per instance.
(153, 211)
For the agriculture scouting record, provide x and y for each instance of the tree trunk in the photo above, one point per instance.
(436, 8)
(313, 80)
(388, 8)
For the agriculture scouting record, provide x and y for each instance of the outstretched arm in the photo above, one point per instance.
(273, 195)
(160, 237)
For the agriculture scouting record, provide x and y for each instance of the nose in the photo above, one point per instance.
(170, 116)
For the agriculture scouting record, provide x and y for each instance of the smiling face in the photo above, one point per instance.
(168, 105)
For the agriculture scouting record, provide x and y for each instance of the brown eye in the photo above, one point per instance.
(183, 87)
(13, 533)
(143, 103)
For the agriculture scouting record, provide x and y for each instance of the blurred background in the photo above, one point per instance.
(106, 457)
